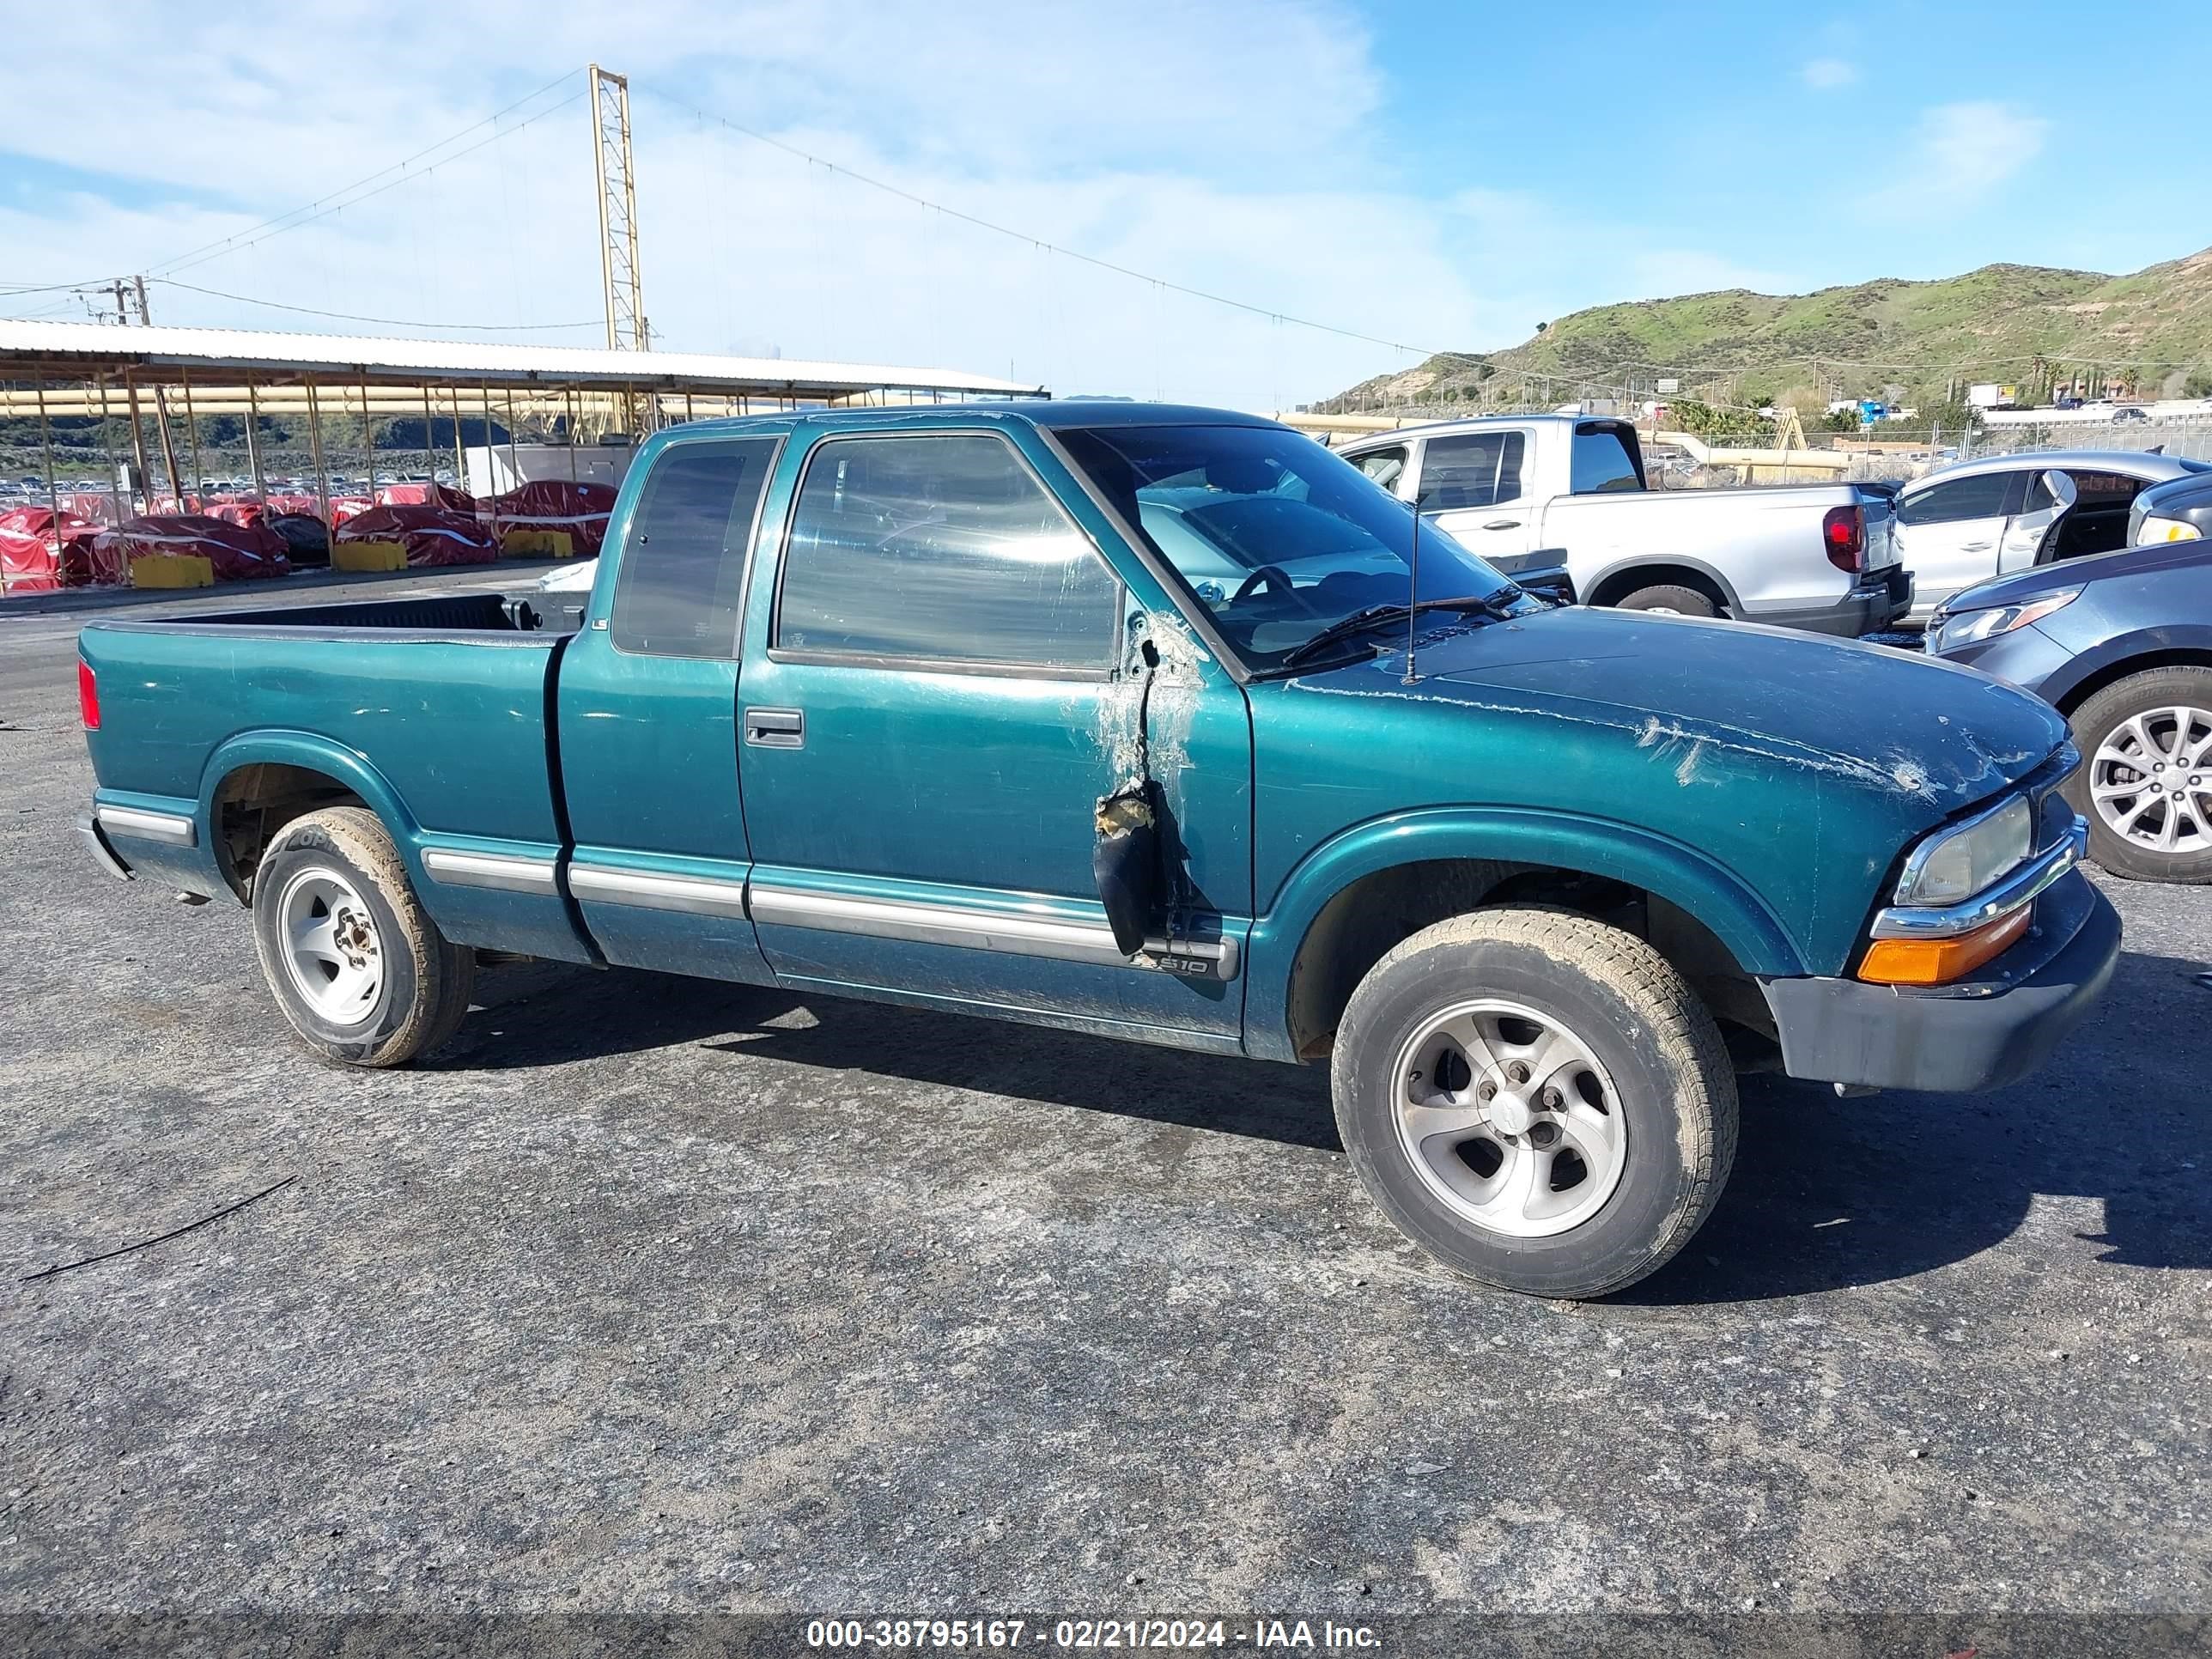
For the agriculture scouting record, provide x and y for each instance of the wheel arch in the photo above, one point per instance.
(1358, 894)
(257, 783)
(2130, 655)
(1616, 582)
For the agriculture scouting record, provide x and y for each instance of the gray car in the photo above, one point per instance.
(1964, 524)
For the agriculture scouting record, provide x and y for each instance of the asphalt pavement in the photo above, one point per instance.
(652, 1295)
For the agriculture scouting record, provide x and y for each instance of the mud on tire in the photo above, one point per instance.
(361, 972)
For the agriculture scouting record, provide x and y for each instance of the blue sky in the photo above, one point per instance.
(1432, 175)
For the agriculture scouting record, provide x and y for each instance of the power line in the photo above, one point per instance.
(904, 195)
(324, 206)
(389, 322)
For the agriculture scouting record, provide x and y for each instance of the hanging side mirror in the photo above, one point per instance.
(1124, 862)
(2061, 490)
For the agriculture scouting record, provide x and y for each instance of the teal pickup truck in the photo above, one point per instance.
(1155, 722)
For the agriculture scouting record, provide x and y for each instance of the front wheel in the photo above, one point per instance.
(2145, 784)
(362, 975)
(1537, 1099)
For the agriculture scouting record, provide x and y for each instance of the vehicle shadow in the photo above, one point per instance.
(1830, 1193)
(1826, 1193)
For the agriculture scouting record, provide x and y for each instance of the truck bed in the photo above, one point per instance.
(448, 695)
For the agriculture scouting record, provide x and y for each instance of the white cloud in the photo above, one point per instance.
(1957, 157)
(1826, 74)
(1121, 135)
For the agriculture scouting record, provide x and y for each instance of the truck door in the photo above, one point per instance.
(1474, 486)
(647, 718)
(941, 683)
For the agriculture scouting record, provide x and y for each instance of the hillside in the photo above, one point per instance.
(2152, 328)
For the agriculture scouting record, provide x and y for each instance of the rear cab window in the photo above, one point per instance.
(1600, 463)
(684, 555)
(939, 550)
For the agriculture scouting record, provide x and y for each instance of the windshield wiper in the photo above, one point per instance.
(1376, 615)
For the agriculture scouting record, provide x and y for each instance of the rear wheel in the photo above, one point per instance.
(361, 972)
(1667, 599)
(2145, 784)
(1537, 1099)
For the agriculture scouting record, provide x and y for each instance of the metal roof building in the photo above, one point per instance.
(172, 357)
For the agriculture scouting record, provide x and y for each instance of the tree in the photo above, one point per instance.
(2199, 384)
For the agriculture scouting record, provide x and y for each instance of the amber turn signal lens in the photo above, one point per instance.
(1940, 960)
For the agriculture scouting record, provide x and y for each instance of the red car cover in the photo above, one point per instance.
(37, 560)
(238, 552)
(431, 535)
(581, 509)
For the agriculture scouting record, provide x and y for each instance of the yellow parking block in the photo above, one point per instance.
(359, 556)
(538, 545)
(171, 570)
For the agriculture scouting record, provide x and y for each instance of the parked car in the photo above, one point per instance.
(1962, 525)
(2121, 644)
(909, 704)
(2177, 512)
(1518, 490)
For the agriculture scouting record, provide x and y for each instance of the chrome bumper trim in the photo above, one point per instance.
(167, 827)
(2021, 887)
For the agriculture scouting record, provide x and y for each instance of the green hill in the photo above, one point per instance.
(2151, 331)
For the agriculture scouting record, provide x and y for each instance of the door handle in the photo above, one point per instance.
(1974, 547)
(1502, 524)
(776, 728)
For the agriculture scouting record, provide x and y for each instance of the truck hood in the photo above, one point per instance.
(1713, 698)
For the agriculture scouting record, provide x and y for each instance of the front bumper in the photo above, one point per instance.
(1981, 1033)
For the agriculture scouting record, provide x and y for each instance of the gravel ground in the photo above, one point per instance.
(653, 1295)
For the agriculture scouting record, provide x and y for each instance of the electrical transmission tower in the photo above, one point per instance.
(627, 329)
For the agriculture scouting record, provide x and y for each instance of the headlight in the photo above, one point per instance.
(2155, 529)
(1957, 863)
(1972, 626)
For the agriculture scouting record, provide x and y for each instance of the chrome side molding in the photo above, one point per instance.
(504, 872)
(1055, 938)
(697, 896)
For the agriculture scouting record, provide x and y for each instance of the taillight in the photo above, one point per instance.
(88, 696)
(1843, 531)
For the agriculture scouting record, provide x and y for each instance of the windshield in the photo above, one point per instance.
(1275, 536)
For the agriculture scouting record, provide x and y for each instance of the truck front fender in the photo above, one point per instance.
(1658, 865)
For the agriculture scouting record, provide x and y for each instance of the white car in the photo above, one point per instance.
(574, 577)
(1962, 525)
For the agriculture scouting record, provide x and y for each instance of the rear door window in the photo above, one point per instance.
(1471, 469)
(683, 556)
(941, 549)
(1982, 496)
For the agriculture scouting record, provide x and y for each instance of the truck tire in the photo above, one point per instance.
(1537, 1099)
(361, 973)
(2145, 782)
(1669, 600)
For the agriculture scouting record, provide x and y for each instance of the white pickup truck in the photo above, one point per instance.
(1532, 491)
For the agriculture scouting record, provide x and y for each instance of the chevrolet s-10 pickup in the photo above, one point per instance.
(1158, 723)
